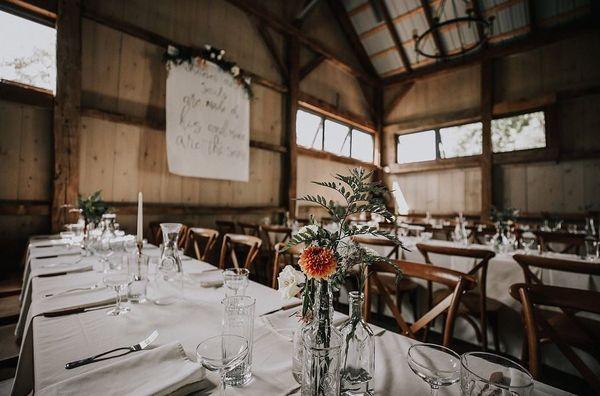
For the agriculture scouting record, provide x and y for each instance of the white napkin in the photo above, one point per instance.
(211, 278)
(159, 371)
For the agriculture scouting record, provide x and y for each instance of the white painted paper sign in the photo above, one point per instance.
(208, 123)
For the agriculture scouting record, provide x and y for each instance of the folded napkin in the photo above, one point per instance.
(211, 278)
(160, 371)
(59, 268)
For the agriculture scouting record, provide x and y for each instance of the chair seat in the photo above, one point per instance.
(470, 301)
(571, 333)
(389, 281)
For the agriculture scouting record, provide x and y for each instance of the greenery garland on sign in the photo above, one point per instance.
(179, 55)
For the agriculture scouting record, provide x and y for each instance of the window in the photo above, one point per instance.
(320, 133)
(28, 53)
(521, 132)
(415, 147)
(461, 140)
(309, 130)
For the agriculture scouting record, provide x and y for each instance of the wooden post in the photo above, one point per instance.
(290, 176)
(380, 143)
(487, 102)
(66, 109)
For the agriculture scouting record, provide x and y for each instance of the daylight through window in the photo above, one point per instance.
(31, 59)
(521, 132)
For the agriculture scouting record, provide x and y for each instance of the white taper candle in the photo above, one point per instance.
(140, 219)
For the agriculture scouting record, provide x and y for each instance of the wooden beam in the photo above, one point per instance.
(320, 106)
(380, 141)
(159, 124)
(532, 14)
(437, 39)
(352, 38)
(26, 94)
(308, 6)
(487, 102)
(436, 165)
(531, 41)
(269, 43)
(404, 90)
(333, 157)
(310, 66)
(161, 41)
(290, 30)
(19, 208)
(67, 120)
(395, 36)
(290, 175)
(130, 208)
(477, 14)
(41, 11)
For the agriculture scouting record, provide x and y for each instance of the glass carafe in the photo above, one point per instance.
(168, 279)
(358, 351)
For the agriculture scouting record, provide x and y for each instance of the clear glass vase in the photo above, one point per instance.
(298, 351)
(358, 351)
(322, 348)
(168, 279)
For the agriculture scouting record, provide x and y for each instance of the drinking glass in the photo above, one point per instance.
(527, 240)
(222, 353)
(591, 249)
(483, 373)
(119, 282)
(238, 319)
(434, 364)
(236, 280)
(137, 266)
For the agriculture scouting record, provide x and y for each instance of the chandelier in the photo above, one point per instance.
(472, 30)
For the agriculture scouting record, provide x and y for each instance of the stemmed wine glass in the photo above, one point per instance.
(236, 279)
(119, 282)
(222, 353)
(435, 364)
(486, 373)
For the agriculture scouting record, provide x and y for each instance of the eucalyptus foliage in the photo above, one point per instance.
(92, 207)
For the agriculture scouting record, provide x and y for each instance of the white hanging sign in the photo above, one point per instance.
(208, 122)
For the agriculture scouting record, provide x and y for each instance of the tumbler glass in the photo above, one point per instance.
(137, 265)
(238, 319)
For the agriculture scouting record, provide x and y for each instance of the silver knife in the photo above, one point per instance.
(127, 350)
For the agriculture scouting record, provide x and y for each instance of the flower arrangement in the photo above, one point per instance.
(92, 207)
(179, 55)
(329, 255)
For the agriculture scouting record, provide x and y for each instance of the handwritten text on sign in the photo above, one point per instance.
(208, 123)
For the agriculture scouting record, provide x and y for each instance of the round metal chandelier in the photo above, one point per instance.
(479, 28)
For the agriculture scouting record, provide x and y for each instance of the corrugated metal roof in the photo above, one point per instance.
(511, 19)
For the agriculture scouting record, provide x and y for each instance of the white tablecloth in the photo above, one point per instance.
(53, 341)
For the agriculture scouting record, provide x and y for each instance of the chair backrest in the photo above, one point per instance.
(372, 241)
(552, 263)
(233, 244)
(284, 257)
(458, 282)
(225, 227)
(275, 234)
(482, 255)
(156, 232)
(202, 240)
(569, 301)
(249, 228)
(560, 242)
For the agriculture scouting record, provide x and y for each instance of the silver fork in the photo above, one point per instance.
(92, 287)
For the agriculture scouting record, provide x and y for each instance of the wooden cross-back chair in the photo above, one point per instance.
(202, 241)
(251, 229)
(560, 242)
(225, 227)
(275, 234)
(400, 287)
(154, 233)
(541, 330)
(284, 257)
(235, 244)
(456, 281)
(475, 304)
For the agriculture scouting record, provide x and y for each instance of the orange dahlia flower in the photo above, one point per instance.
(317, 262)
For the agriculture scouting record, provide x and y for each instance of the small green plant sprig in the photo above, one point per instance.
(92, 207)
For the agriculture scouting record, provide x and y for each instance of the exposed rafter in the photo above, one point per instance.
(437, 39)
(267, 39)
(354, 42)
(477, 14)
(395, 36)
(532, 14)
(311, 65)
(308, 6)
(288, 29)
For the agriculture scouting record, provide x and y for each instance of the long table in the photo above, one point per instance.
(50, 342)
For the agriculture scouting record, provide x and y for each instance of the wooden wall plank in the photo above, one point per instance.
(10, 146)
(35, 155)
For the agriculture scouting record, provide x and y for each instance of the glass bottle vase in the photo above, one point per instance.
(358, 351)
(168, 280)
(322, 348)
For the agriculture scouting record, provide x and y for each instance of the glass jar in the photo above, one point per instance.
(298, 351)
(358, 351)
(168, 279)
(322, 348)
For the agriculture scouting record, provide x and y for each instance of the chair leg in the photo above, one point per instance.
(413, 298)
(494, 324)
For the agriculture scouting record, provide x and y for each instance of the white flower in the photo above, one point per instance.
(208, 47)
(219, 57)
(235, 71)
(172, 50)
(289, 280)
(212, 55)
(311, 227)
(222, 53)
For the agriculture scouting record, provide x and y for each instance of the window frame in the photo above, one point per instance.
(351, 127)
(436, 127)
